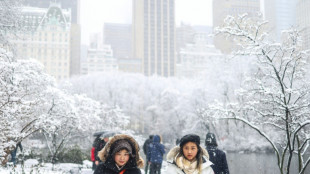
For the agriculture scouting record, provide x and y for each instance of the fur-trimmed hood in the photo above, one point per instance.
(106, 151)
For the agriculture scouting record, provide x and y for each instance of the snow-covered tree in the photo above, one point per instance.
(160, 105)
(61, 118)
(31, 102)
(10, 19)
(113, 118)
(275, 100)
(21, 82)
(65, 115)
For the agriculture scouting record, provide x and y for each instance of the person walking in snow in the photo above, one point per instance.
(145, 151)
(93, 152)
(14, 152)
(120, 156)
(155, 155)
(98, 146)
(217, 156)
(189, 157)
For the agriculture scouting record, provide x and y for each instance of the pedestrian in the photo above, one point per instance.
(145, 151)
(14, 152)
(217, 156)
(120, 156)
(155, 155)
(99, 146)
(189, 157)
(177, 141)
(93, 149)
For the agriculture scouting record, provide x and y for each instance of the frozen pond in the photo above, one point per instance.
(256, 163)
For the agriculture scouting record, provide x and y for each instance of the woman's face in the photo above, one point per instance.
(121, 157)
(190, 150)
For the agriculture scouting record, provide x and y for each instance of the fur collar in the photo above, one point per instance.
(104, 153)
(175, 152)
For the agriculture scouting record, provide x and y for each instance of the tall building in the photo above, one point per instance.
(129, 65)
(74, 5)
(222, 8)
(47, 39)
(154, 36)
(99, 57)
(195, 57)
(205, 29)
(303, 21)
(75, 42)
(281, 15)
(184, 35)
(119, 37)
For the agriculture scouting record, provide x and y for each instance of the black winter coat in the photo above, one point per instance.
(218, 158)
(102, 169)
(109, 167)
(146, 146)
(99, 145)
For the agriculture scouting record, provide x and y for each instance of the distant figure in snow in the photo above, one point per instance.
(155, 155)
(217, 156)
(93, 149)
(99, 146)
(14, 152)
(145, 151)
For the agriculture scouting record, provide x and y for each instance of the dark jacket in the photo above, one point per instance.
(93, 149)
(218, 158)
(146, 145)
(156, 151)
(108, 166)
(105, 168)
(99, 146)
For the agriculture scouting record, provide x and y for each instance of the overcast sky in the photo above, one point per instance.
(95, 12)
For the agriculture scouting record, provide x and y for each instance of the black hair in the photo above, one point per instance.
(194, 139)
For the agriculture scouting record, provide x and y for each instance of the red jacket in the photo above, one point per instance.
(92, 154)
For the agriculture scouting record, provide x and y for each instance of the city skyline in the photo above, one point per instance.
(120, 11)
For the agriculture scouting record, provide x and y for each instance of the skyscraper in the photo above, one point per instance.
(154, 36)
(281, 15)
(119, 37)
(222, 8)
(303, 21)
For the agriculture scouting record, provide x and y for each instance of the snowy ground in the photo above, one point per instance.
(32, 166)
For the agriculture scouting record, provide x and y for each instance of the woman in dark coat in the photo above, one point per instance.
(120, 156)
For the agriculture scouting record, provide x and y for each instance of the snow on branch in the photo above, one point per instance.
(276, 94)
